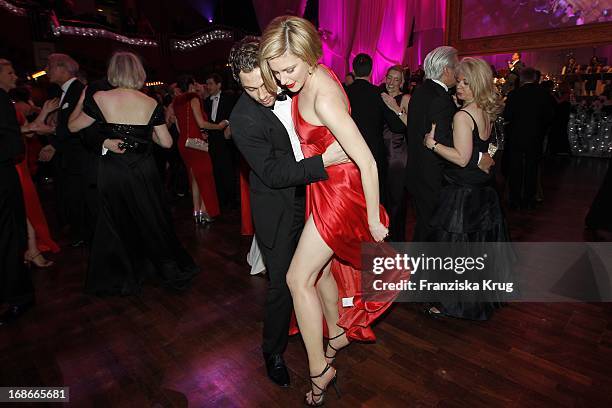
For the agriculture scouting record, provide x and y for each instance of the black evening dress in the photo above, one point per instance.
(469, 217)
(134, 240)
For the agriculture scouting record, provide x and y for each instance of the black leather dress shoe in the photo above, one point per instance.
(13, 312)
(276, 369)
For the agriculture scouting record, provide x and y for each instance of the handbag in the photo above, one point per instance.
(195, 142)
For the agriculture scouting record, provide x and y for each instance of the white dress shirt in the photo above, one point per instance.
(282, 110)
(215, 105)
(442, 84)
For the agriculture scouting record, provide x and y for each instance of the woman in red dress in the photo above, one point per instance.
(190, 118)
(39, 237)
(342, 212)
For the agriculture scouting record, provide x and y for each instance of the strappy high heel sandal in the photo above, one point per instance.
(318, 399)
(336, 350)
(38, 260)
(205, 218)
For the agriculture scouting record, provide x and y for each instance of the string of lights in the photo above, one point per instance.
(13, 9)
(101, 33)
(198, 41)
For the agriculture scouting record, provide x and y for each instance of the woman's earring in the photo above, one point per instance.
(309, 71)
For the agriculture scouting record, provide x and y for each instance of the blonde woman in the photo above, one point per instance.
(342, 212)
(469, 210)
(134, 238)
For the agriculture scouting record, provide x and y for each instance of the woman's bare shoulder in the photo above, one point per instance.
(328, 89)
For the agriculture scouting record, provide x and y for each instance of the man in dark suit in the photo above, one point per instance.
(67, 150)
(370, 114)
(263, 131)
(218, 107)
(529, 112)
(431, 103)
(15, 283)
(515, 66)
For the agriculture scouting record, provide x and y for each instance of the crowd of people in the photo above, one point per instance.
(331, 167)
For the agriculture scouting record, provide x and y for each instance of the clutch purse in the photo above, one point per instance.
(197, 143)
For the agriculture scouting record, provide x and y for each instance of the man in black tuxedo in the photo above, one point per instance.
(15, 283)
(66, 149)
(529, 112)
(370, 114)
(218, 107)
(431, 103)
(263, 131)
(515, 66)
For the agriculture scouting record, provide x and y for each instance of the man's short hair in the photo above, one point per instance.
(66, 61)
(215, 77)
(438, 59)
(244, 57)
(528, 75)
(362, 65)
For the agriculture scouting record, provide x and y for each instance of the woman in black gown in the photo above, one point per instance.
(397, 154)
(134, 237)
(469, 212)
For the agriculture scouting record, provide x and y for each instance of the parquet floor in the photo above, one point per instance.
(201, 349)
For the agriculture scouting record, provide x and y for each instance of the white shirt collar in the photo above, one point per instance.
(442, 84)
(213, 96)
(67, 84)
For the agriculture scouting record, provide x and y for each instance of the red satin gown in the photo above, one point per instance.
(34, 211)
(338, 208)
(197, 161)
(246, 221)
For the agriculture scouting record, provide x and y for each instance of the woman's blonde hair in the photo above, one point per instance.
(126, 71)
(288, 33)
(479, 77)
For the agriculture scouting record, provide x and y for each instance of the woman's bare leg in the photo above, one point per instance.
(311, 255)
(328, 293)
(32, 248)
(33, 254)
(195, 192)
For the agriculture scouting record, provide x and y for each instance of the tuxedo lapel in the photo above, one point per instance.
(278, 130)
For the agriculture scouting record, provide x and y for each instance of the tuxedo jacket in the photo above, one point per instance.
(370, 113)
(224, 110)
(430, 103)
(529, 112)
(68, 145)
(263, 141)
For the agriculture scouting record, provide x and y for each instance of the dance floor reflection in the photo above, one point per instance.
(201, 348)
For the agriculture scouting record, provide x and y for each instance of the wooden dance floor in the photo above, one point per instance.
(202, 348)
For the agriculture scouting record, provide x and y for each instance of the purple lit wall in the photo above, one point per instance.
(380, 28)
